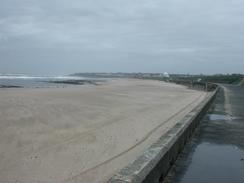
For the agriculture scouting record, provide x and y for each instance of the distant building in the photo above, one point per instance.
(166, 75)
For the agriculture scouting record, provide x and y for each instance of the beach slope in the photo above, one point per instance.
(86, 133)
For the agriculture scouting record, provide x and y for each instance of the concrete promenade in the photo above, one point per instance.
(216, 152)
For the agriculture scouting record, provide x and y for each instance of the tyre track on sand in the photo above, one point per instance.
(139, 142)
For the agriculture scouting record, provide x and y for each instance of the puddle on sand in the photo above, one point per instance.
(221, 163)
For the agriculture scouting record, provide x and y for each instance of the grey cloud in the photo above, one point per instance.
(122, 35)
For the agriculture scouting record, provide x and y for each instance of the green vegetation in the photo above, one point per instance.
(218, 78)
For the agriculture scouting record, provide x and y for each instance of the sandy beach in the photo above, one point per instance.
(86, 133)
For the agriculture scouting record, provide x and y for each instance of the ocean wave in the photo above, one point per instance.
(26, 77)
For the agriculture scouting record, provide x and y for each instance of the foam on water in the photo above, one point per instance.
(16, 76)
(34, 81)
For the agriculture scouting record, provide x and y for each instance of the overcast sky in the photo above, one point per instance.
(67, 36)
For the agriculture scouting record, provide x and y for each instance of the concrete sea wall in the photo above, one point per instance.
(153, 165)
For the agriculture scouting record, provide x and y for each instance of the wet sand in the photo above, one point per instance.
(86, 133)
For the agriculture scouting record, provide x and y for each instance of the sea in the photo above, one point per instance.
(36, 81)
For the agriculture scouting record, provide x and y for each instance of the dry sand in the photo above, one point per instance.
(87, 133)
